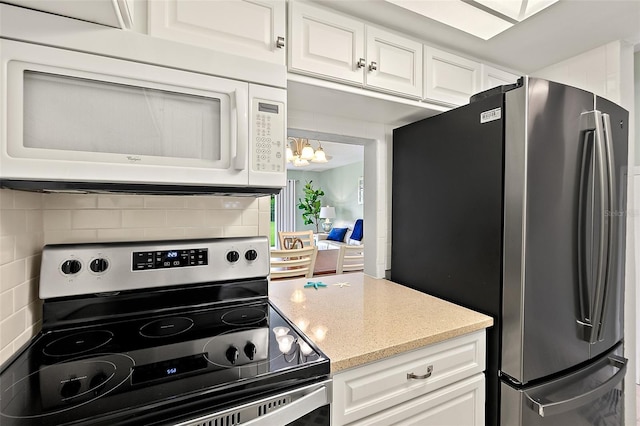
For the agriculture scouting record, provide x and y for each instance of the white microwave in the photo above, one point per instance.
(88, 122)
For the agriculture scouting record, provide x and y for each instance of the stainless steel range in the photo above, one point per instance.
(163, 333)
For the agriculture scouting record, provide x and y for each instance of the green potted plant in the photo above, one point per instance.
(310, 206)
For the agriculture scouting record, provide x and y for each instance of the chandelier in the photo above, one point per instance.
(300, 152)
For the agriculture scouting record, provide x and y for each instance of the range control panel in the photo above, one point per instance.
(79, 269)
(169, 258)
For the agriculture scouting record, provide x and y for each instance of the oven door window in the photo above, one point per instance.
(64, 115)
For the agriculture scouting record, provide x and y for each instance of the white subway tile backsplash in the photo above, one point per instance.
(32, 267)
(143, 218)
(56, 219)
(12, 327)
(6, 304)
(28, 245)
(215, 232)
(6, 199)
(35, 221)
(27, 200)
(264, 203)
(250, 217)
(108, 201)
(186, 218)
(264, 223)
(163, 233)
(24, 294)
(204, 203)
(6, 352)
(7, 249)
(12, 274)
(70, 201)
(95, 219)
(120, 234)
(240, 231)
(12, 222)
(164, 202)
(30, 220)
(65, 236)
(223, 218)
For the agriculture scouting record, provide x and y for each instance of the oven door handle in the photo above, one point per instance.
(293, 411)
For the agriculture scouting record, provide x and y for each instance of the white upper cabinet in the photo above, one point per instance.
(450, 78)
(493, 77)
(253, 28)
(333, 46)
(394, 62)
(325, 43)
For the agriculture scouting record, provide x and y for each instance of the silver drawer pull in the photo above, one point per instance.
(424, 376)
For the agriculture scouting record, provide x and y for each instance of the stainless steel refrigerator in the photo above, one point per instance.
(514, 206)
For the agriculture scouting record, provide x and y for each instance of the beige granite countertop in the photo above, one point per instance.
(371, 318)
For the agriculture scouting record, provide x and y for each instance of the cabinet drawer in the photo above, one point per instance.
(461, 403)
(374, 387)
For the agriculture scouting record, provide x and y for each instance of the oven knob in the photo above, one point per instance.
(250, 350)
(70, 388)
(232, 354)
(251, 255)
(99, 265)
(70, 267)
(233, 256)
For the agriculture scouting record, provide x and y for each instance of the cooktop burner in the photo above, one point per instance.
(78, 343)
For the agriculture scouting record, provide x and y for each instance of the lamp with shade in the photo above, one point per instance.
(327, 213)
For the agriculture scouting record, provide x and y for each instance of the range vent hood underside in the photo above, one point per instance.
(133, 188)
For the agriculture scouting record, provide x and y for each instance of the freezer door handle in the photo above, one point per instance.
(546, 408)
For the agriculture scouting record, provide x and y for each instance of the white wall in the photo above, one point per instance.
(608, 72)
(340, 186)
(597, 71)
(375, 176)
(30, 220)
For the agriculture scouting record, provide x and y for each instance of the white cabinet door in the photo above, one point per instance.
(493, 77)
(253, 28)
(450, 78)
(394, 63)
(461, 403)
(324, 43)
(385, 384)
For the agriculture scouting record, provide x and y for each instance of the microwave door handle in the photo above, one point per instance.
(239, 129)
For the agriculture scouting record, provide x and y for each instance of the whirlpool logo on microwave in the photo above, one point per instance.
(133, 158)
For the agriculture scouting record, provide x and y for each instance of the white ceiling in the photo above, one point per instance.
(561, 31)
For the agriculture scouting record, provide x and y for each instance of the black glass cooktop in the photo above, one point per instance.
(147, 369)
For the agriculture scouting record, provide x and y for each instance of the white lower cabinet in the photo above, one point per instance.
(439, 384)
(459, 404)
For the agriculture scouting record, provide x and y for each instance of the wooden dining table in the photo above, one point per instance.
(326, 262)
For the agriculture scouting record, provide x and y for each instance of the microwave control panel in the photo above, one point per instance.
(268, 136)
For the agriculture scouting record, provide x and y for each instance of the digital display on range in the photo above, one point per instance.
(169, 368)
(162, 259)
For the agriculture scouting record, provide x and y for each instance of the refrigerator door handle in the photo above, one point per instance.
(545, 408)
(609, 219)
(593, 192)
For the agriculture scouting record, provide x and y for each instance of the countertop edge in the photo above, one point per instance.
(367, 358)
